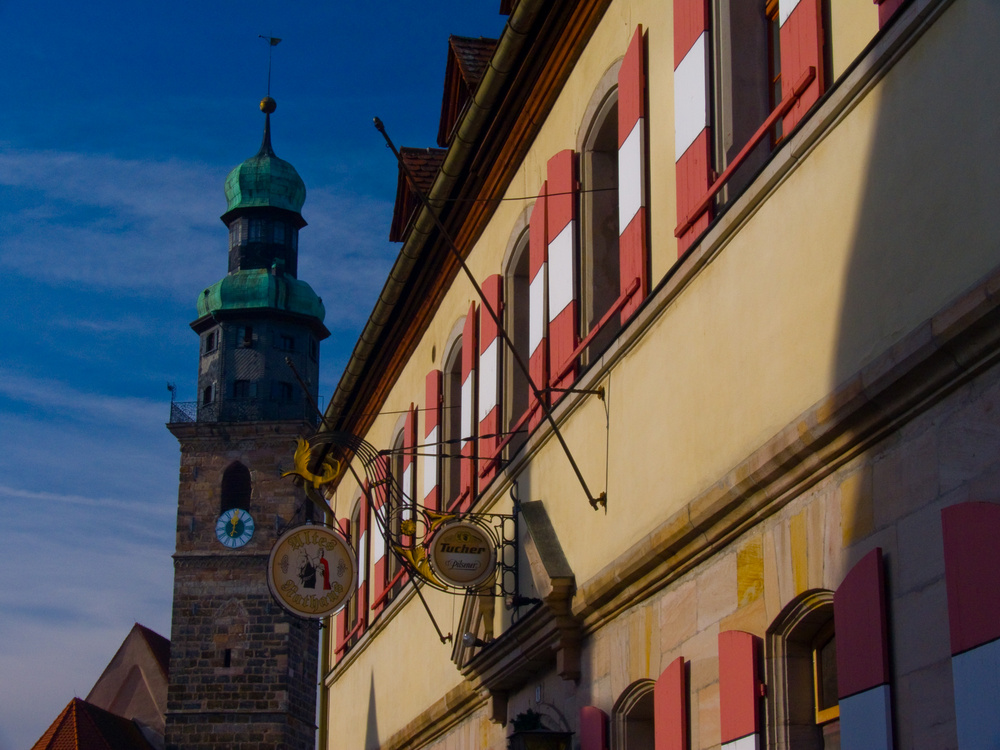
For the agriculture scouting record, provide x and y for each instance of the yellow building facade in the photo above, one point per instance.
(747, 253)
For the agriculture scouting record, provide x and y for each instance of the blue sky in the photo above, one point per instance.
(118, 125)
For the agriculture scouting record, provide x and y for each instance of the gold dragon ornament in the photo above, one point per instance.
(417, 555)
(329, 470)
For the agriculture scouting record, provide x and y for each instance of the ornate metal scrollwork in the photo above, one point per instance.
(408, 526)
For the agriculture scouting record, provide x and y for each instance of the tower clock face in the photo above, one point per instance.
(234, 527)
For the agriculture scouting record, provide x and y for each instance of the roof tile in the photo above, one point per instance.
(424, 164)
(84, 726)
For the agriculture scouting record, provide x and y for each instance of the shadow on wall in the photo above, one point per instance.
(927, 228)
(928, 220)
(371, 730)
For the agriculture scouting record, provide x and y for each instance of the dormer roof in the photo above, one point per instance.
(424, 164)
(467, 61)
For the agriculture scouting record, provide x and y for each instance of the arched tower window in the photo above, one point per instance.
(236, 487)
(599, 256)
(802, 674)
(451, 418)
(633, 717)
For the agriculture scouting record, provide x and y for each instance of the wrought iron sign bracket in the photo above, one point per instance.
(600, 500)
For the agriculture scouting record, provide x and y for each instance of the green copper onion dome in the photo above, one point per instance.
(264, 179)
(258, 288)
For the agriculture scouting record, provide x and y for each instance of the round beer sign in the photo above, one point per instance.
(312, 571)
(462, 554)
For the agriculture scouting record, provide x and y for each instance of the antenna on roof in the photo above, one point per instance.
(272, 42)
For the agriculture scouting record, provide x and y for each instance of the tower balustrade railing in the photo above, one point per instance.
(242, 410)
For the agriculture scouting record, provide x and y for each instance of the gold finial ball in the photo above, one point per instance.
(268, 105)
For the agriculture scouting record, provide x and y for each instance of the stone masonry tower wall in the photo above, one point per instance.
(242, 671)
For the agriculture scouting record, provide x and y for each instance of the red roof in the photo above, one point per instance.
(472, 55)
(468, 59)
(84, 726)
(424, 164)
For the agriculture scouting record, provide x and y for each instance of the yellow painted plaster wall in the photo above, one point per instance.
(775, 322)
(763, 332)
(395, 675)
(853, 25)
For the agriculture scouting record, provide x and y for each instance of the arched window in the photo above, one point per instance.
(802, 674)
(633, 717)
(599, 257)
(516, 321)
(393, 508)
(236, 487)
(451, 423)
(354, 603)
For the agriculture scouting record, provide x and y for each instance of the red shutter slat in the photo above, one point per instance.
(972, 573)
(860, 625)
(377, 541)
(801, 40)
(490, 347)
(408, 484)
(538, 347)
(593, 729)
(470, 351)
(632, 164)
(431, 460)
(692, 141)
(562, 263)
(886, 10)
(739, 684)
(670, 715)
(690, 22)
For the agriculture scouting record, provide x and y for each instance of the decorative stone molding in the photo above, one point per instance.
(549, 632)
(944, 352)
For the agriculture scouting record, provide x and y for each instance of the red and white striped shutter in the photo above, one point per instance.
(886, 10)
(431, 462)
(467, 488)
(593, 729)
(633, 219)
(342, 626)
(863, 657)
(538, 342)
(364, 555)
(972, 580)
(489, 380)
(407, 484)
(378, 541)
(739, 690)
(692, 134)
(670, 714)
(562, 271)
(801, 40)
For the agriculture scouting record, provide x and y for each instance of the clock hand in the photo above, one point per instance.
(234, 519)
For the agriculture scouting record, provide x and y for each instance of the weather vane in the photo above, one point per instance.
(272, 42)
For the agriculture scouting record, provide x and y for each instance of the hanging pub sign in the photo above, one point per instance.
(462, 554)
(312, 571)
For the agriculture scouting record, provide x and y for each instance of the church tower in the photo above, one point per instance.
(242, 671)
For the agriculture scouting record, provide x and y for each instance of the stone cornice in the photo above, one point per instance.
(438, 718)
(943, 353)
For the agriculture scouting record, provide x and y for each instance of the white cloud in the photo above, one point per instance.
(47, 499)
(166, 191)
(346, 248)
(72, 403)
(152, 228)
(70, 593)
